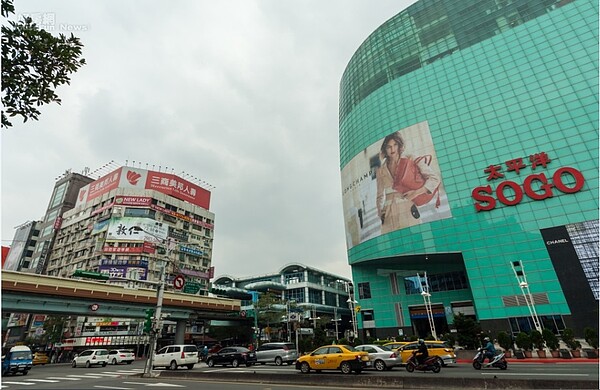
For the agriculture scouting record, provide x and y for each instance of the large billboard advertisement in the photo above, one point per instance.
(127, 177)
(393, 184)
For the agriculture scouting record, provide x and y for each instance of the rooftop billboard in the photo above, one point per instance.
(127, 177)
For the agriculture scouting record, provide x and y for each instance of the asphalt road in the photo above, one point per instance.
(127, 377)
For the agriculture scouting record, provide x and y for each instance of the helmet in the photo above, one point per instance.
(486, 339)
(421, 341)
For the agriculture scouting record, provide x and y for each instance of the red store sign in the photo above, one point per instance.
(536, 186)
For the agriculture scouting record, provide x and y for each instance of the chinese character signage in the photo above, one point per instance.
(125, 229)
(127, 177)
(393, 184)
(537, 185)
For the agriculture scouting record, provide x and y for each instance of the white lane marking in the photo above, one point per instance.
(91, 376)
(19, 383)
(531, 374)
(113, 387)
(108, 373)
(63, 378)
(152, 384)
(43, 380)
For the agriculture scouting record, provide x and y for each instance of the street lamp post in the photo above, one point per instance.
(160, 291)
(336, 320)
(352, 303)
(519, 270)
(314, 319)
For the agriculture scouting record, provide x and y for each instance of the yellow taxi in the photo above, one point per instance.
(334, 357)
(435, 348)
(394, 345)
(40, 358)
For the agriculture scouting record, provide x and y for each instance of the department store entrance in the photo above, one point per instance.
(420, 323)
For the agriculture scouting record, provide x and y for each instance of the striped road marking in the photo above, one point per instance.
(43, 380)
(18, 383)
(91, 376)
(62, 378)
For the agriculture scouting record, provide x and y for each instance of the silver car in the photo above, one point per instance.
(382, 357)
(277, 353)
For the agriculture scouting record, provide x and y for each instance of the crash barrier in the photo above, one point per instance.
(380, 381)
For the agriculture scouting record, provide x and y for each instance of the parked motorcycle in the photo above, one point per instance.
(499, 361)
(432, 363)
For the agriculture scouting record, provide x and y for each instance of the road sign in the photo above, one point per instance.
(178, 282)
(191, 288)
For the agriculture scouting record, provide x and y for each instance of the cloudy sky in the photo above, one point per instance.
(240, 93)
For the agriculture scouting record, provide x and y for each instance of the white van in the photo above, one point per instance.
(173, 356)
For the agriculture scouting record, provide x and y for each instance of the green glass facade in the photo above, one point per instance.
(495, 82)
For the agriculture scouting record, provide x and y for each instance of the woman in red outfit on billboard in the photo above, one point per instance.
(403, 183)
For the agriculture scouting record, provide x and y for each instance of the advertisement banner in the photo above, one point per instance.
(178, 188)
(123, 229)
(127, 177)
(17, 319)
(140, 201)
(393, 184)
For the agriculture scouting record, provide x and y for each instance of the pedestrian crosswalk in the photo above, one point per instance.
(72, 381)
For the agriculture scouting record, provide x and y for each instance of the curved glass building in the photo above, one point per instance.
(469, 163)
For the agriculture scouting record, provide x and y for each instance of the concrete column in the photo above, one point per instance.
(180, 331)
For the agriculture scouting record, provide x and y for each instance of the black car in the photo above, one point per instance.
(232, 355)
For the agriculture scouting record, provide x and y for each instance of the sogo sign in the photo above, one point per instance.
(535, 186)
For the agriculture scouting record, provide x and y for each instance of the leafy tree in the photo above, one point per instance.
(591, 336)
(550, 339)
(568, 337)
(537, 339)
(268, 310)
(34, 64)
(467, 330)
(524, 342)
(505, 340)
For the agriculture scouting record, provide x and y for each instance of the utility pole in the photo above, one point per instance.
(160, 291)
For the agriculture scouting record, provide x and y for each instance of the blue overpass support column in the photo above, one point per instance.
(180, 331)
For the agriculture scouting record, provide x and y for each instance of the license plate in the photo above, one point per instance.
(368, 364)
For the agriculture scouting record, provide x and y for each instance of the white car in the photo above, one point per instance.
(91, 357)
(173, 356)
(116, 356)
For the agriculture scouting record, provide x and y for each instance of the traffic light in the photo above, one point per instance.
(91, 275)
(148, 322)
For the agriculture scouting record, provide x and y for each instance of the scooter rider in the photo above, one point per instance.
(490, 351)
(422, 353)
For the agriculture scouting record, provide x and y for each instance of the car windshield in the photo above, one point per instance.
(21, 355)
(350, 348)
(385, 348)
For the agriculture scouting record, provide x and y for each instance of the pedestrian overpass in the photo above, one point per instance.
(32, 293)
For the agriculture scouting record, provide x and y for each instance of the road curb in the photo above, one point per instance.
(371, 380)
